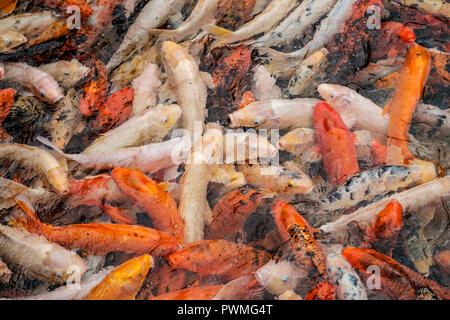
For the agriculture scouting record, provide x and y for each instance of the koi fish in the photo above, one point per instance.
(396, 280)
(426, 194)
(56, 30)
(28, 24)
(195, 293)
(100, 238)
(93, 191)
(193, 207)
(95, 89)
(348, 284)
(203, 13)
(288, 178)
(151, 126)
(296, 230)
(115, 111)
(336, 144)
(231, 212)
(148, 158)
(184, 77)
(263, 22)
(124, 282)
(41, 84)
(66, 119)
(308, 75)
(38, 258)
(7, 7)
(66, 73)
(333, 24)
(153, 15)
(159, 204)
(384, 231)
(377, 182)
(225, 259)
(412, 79)
(296, 23)
(275, 113)
(355, 110)
(40, 160)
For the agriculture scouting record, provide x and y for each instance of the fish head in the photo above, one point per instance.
(340, 98)
(172, 55)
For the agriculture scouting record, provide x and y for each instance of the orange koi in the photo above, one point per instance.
(6, 7)
(396, 280)
(306, 250)
(101, 238)
(6, 101)
(222, 258)
(196, 293)
(231, 212)
(119, 215)
(408, 93)
(323, 291)
(158, 203)
(378, 153)
(336, 144)
(124, 282)
(406, 34)
(115, 111)
(93, 191)
(96, 88)
(57, 29)
(384, 231)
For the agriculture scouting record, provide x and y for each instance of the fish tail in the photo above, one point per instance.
(26, 206)
(219, 33)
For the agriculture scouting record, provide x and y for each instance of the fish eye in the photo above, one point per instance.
(244, 191)
(257, 121)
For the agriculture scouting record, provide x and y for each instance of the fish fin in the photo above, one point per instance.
(220, 33)
(26, 206)
(386, 108)
(207, 79)
(388, 82)
(50, 145)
